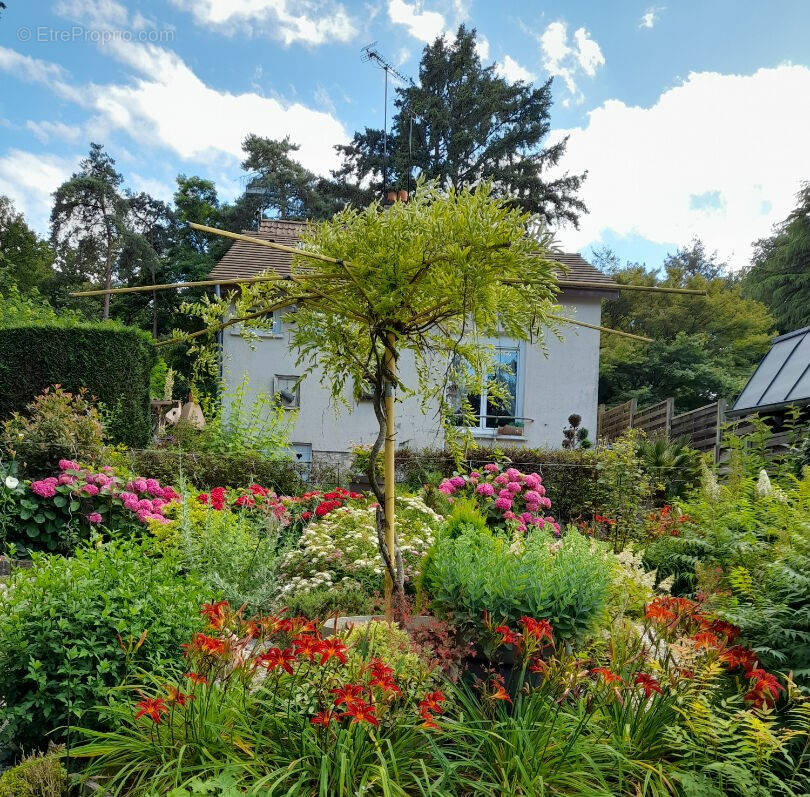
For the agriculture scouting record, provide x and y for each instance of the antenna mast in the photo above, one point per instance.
(370, 53)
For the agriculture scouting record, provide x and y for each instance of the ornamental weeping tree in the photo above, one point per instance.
(429, 280)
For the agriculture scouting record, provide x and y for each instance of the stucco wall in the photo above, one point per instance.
(550, 389)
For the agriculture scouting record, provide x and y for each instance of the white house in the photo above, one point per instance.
(545, 389)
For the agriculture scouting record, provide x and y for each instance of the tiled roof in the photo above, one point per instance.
(782, 377)
(245, 260)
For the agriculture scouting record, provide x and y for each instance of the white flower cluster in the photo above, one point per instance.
(341, 548)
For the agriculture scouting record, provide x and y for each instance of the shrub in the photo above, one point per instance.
(569, 476)
(72, 628)
(564, 581)
(328, 601)
(205, 471)
(112, 362)
(55, 513)
(342, 547)
(55, 425)
(37, 775)
(673, 467)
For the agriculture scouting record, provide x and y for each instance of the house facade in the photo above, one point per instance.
(544, 387)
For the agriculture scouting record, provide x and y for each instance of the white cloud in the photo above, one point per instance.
(310, 22)
(719, 157)
(53, 131)
(565, 60)
(169, 106)
(422, 25)
(482, 47)
(511, 70)
(149, 185)
(35, 70)
(650, 17)
(29, 179)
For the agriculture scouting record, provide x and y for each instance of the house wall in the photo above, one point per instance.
(550, 388)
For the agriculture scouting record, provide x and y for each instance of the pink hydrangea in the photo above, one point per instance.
(514, 474)
(503, 503)
(131, 504)
(509, 515)
(505, 493)
(457, 481)
(532, 506)
(89, 489)
(139, 485)
(522, 528)
(546, 502)
(526, 516)
(541, 490)
(485, 489)
(475, 475)
(45, 488)
(144, 505)
(153, 486)
(446, 487)
(491, 468)
(532, 497)
(102, 480)
(108, 469)
(68, 464)
(65, 478)
(532, 481)
(94, 517)
(502, 479)
(514, 487)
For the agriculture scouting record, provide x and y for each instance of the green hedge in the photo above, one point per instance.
(569, 476)
(205, 470)
(112, 361)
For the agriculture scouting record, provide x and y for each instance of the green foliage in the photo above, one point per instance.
(72, 628)
(204, 470)
(780, 273)
(461, 122)
(624, 488)
(37, 775)
(157, 379)
(55, 425)
(705, 346)
(565, 582)
(20, 309)
(328, 601)
(673, 467)
(232, 554)
(26, 261)
(111, 362)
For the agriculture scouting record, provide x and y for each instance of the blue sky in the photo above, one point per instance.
(692, 119)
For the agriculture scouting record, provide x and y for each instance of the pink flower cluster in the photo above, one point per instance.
(145, 498)
(512, 496)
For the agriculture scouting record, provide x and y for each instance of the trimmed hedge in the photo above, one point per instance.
(569, 476)
(111, 361)
(205, 470)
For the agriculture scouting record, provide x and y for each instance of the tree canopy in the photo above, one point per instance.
(780, 273)
(462, 123)
(26, 261)
(705, 346)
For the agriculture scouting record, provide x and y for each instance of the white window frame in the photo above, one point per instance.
(281, 382)
(276, 332)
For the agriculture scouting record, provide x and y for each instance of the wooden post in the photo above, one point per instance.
(600, 421)
(720, 421)
(389, 472)
(670, 414)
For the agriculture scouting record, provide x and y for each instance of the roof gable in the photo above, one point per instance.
(244, 260)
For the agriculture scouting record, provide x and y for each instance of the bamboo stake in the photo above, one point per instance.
(622, 287)
(169, 285)
(601, 329)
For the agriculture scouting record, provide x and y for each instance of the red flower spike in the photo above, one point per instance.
(152, 707)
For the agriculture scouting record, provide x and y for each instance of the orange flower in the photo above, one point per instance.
(432, 701)
(197, 679)
(273, 658)
(607, 675)
(205, 644)
(174, 695)
(500, 693)
(152, 707)
(765, 689)
(738, 656)
(508, 637)
(706, 640)
(647, 683)
(216, 614)
(307, 646)
(659, 614)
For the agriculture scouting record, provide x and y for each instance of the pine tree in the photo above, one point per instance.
(463, 123)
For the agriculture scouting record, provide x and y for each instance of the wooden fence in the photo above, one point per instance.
(702, 427)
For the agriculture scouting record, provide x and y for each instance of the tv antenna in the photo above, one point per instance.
(370, 53)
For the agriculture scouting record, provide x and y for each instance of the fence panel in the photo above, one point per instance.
(656, 419)
(612, 422)
(702, 426)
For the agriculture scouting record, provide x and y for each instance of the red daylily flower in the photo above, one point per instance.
(323, 718)
(216, 613)
(706, 640)
(333, 648)
(273, 658)
(765, 690)
(174, 695)
(659, 614)
(348, 694)
(195, 678)
(500, 693)
(738, 656)
(152, 707)
(647, 683)
(204, 644)
(307, 646)
(508, 637)
(360, 711)
(432, 701)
